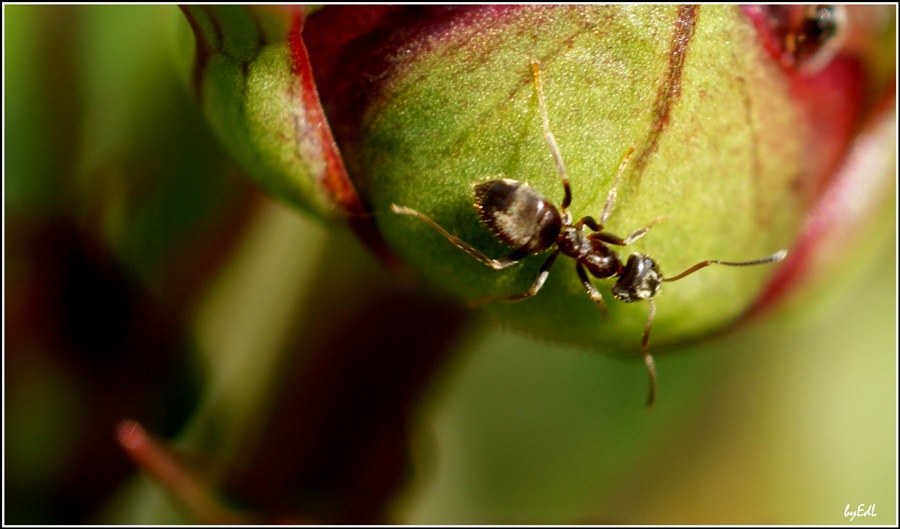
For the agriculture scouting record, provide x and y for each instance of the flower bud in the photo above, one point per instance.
(251, 72)
(743, 128)
(733, 146)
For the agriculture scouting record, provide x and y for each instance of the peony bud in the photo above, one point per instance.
(733, 147)
(746, 124)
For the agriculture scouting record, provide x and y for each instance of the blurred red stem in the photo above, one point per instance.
(157, 461)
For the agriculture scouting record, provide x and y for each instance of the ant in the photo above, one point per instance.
(523, 219)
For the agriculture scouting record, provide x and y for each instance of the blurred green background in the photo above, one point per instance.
(146, 278)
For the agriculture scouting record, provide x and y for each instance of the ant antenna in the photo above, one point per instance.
(645, 350)
(645, 339)
(774, 258)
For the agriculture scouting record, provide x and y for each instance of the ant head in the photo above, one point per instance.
(640, 279)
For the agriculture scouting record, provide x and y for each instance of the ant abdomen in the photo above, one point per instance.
(518, 215)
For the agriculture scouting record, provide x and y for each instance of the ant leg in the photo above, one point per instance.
(774, 258)
(589, 222)
(611, 197)
(648, 360)
(496, 264)
(535, 287)
(548, 135)
(590, 288)
(609, 238)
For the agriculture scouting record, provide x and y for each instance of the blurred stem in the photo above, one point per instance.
(336, 446)
(242, 323)
(316, 357)
(159, 463)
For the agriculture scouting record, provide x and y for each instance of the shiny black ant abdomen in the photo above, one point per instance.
(523, 219)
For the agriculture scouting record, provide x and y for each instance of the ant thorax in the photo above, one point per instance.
(601, 261)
